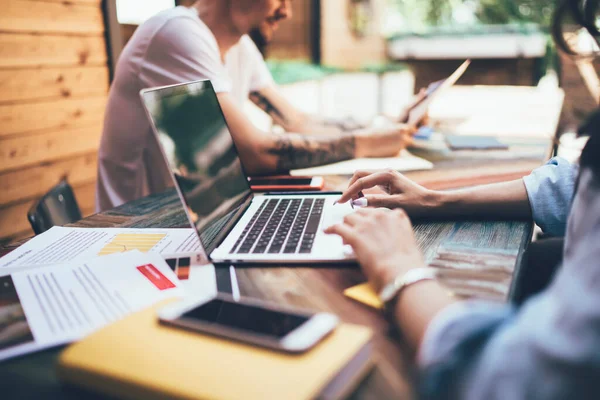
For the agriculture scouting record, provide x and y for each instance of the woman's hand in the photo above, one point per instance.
(383, 242)
(401, 192)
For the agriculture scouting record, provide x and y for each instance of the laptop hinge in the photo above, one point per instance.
(231, 223)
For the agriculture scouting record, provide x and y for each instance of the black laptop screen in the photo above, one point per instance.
(198, 147)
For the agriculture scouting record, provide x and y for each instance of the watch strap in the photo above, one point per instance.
(390, 292)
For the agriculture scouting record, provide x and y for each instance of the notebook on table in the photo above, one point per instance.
(139, 358)
(469, 142)
(404, 162)
(235, 225)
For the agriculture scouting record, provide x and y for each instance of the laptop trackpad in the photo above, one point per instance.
(335, 214)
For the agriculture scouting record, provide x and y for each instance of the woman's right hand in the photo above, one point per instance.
(383, 241)
(400, 191)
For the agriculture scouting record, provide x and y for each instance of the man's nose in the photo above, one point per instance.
(285, 11)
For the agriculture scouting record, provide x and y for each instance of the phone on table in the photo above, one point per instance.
(251, 321)
(286, 183)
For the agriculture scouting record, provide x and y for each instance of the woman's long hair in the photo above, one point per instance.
(584, 14)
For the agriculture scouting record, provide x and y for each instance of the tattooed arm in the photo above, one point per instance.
(268, 153)
(296, 151)
(271, 101)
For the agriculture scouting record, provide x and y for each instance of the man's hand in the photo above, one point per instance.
(401, 192)
(383, 242)
(383, 142)
(405, 113)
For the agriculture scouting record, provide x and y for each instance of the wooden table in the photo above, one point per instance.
(321, 288)
(317, 288)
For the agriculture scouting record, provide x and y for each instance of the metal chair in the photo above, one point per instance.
(57, 207)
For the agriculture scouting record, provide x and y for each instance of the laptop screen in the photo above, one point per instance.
(198, 147)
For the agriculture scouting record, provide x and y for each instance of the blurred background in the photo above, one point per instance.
(403, 45)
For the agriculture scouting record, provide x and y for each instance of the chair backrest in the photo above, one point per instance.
(57, 207)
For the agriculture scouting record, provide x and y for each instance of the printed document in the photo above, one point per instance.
(51, 306)
(63, 244)
(403, 163)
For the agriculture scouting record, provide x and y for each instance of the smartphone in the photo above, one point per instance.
(251, 321)
(286, 183)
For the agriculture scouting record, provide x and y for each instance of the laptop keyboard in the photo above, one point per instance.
(281, 226)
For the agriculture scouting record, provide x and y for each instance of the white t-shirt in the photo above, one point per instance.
(174, 46)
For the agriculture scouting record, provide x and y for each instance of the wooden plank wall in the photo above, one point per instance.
(293, 38)
(339, 47)
(53, 87)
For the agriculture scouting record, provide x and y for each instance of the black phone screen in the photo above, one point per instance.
(246, 317)
(280, 181)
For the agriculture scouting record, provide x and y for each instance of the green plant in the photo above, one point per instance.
(509, 11)
(419, 13)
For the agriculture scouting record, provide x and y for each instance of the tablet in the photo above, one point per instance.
(419, 110)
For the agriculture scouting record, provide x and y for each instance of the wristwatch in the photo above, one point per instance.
(390, 292)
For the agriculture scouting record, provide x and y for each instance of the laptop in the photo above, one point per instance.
(234, 224)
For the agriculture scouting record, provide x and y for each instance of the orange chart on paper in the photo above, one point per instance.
(132, 241)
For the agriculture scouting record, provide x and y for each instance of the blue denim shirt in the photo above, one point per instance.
(547, 349)
(550, 191)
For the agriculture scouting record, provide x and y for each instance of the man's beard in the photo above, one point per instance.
(259, 39)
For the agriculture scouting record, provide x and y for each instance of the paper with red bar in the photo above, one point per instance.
(58, 304)
(156, 277)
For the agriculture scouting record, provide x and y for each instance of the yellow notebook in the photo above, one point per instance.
(137, 358)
